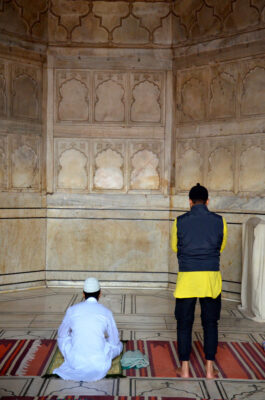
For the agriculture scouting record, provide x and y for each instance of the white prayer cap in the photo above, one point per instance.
(91, 285)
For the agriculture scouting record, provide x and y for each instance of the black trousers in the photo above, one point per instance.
(210, 314)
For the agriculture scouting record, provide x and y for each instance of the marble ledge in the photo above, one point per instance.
(242, 205)
(23, 277)
(53, 283)
(108, 130)
(241, 39)
(20, 127)
(115, 214)
(222, 129)
(23, 200)
(109, 58)
(17, 213)
(156, 202)
(22, 286)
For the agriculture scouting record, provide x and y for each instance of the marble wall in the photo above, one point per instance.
(110, 112)
(22, 221)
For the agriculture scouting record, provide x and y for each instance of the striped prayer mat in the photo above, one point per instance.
(25, 357)
(36, 358)
(84, 397)
(234, 360)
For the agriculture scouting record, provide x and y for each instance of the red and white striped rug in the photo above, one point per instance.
(234, 360)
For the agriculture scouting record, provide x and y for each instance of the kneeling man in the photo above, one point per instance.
(88, 338)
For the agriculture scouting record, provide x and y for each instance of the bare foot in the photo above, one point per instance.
(183, 371)
(211, 372)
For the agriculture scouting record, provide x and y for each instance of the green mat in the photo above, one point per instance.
(114, 371)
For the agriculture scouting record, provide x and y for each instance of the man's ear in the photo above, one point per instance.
(191, 203)
(207, 202)
(83, 295)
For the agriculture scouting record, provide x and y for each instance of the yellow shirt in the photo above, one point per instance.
(197, 283)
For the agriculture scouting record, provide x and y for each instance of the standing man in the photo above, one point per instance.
(88, 338)
(198, 238)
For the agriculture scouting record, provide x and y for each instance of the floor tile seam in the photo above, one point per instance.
(31, 313)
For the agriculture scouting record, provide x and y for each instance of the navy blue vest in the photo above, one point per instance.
(200, 236)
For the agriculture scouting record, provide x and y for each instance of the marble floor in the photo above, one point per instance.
(140, 314)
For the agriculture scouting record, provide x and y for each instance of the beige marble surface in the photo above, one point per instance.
(89, 244)
(136, 318)
(99, 144)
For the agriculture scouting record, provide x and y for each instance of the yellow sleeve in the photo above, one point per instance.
(174, 238)
(224, 235)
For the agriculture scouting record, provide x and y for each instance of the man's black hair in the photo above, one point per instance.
(94, 294)
(198, 194)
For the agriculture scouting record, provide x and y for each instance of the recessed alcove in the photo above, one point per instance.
(110, 111)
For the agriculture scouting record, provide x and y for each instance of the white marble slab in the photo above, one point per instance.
(59, 387)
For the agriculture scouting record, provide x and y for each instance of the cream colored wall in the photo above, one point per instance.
(110, 111)
(22, 218)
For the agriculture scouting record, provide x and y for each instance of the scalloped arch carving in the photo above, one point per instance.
(252, 167)
(220, 175)
(146, 102)
(73, 103)
(145, 174)
(2, 169)
(253, 95)
(109, 174)
(25, 97)
(130, 31)
(24, 167)
(72, 170)
(193, 99)
(2, 95)
(109, 106)
(223, 96)
(190, 169)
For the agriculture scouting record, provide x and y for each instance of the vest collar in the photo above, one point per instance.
(199, 209)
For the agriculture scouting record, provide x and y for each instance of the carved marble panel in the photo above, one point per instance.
(3, 162)
(73, 96)
(192, 93)
(179, 30)
(3, 91)
(109, 163)
(187, 11)
(151, 14)
(162, 34)
(221, 166)
(111, 13)
(119, 23)
(189, 164)
(26, 92)
(31, 13)
(9, 12)
(221, 8)
(57, 32)
(71, 165)
(25, 162)
(206, 24)
(68, 15)
(253, 93)
(252, 166)
(223, 92)
(243, 15)
(109, 101)
(145, 166)
(147, 97)
(90, 31)
(131, 31)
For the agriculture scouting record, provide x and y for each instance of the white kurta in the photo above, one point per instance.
(88, 339)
